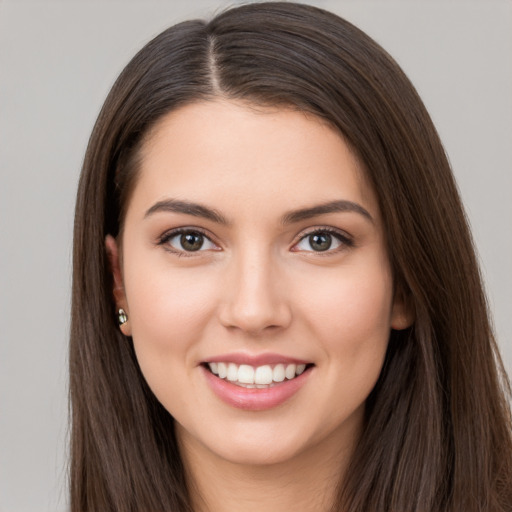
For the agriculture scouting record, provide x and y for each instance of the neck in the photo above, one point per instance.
(308, 482)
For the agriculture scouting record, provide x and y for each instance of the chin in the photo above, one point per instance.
(257, 454)
(245, 444)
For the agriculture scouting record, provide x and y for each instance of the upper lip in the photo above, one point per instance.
(255, 359)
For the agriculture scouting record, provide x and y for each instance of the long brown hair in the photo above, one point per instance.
(437, 435)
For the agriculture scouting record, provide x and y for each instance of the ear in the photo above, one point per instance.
(117, 277)
(402, 312)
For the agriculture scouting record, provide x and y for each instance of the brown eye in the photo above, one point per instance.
(323, 240)
(191, 241)
(188, 241)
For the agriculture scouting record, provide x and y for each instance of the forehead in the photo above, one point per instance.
(238, 155)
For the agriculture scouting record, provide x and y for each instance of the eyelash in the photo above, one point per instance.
(345, 240)
(169, 235)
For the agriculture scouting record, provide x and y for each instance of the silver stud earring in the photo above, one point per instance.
(122, 317)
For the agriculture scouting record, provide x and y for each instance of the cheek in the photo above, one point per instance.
(353, 326)
(169, 311)
(168, 304)
(351, 313)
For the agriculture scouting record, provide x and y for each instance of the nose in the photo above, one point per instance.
(255, 295)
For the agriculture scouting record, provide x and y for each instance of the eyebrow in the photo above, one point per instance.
(188, 208)
(198, 210)
(322, 209)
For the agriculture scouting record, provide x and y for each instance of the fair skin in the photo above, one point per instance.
(256, 276)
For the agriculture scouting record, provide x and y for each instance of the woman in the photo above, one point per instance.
(276, 301)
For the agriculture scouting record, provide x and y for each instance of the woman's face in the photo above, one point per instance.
(256, 281)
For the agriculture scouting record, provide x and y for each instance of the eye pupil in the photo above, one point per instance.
(192, 241)
(320, 241)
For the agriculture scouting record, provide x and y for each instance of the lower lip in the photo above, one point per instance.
(255, 399)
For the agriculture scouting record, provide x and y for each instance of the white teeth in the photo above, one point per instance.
(290, 371)
(246, 374)
(278, 373)
(263, 375)
(232, 372)
(259, 377)
(223, 370)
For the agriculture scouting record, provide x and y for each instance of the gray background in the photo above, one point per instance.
(57, 62)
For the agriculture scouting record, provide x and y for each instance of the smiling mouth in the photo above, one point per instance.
(260, 377)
